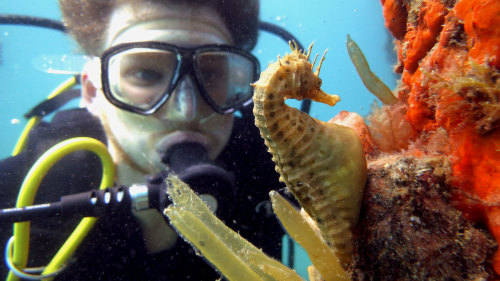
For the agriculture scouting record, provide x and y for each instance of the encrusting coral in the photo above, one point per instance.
(449, 58)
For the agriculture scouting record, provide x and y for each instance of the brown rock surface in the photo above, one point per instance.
(408, 229)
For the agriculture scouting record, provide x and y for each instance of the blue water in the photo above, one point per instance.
(27, 54)
(23, 81)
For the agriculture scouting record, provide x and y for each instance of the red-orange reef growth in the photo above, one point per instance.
(449, 58)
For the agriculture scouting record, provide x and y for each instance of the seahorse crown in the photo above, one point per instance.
(294, 74)
(296, 70)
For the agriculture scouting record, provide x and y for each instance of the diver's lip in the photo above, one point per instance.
(180, 137)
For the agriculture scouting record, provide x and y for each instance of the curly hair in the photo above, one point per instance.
(88, 20)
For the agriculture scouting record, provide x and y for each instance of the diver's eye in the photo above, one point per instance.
(147, 76)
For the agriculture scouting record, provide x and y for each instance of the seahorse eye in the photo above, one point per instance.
(319, 83)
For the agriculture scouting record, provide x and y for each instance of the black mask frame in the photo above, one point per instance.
(186, 65)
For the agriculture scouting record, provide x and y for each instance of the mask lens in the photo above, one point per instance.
(226, 77)
(140, 77)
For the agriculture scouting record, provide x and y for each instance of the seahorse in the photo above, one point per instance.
(322, 164)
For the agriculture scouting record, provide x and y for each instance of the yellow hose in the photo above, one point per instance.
(23, 139)
(30, 187)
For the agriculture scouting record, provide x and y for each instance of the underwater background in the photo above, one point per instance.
(34, 61)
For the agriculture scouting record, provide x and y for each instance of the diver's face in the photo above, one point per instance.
(185, 116)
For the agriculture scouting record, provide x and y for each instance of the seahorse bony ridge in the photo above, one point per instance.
(323, 164)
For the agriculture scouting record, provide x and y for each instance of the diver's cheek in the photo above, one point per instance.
(218, 132)
(133, 133)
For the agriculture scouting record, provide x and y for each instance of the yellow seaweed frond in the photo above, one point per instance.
(209, 245)
(370, 80)
(320, 254)
(275, 270)
(231, 254)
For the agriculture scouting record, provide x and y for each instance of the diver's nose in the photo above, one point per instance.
(183, 103)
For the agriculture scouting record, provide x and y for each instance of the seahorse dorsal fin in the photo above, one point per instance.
(320, 63)
(309, 51)
(314, 61)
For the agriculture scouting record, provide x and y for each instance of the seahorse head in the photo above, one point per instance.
(299, 80)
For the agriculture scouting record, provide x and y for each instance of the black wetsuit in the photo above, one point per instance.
(114, 250)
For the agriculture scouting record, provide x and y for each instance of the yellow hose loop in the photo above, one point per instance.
(23, 139)
(30, 187)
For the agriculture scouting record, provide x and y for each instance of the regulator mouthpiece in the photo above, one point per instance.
(190, 162)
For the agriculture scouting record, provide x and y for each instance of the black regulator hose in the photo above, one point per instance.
(33, 21)
(94, 203)
(189, 161)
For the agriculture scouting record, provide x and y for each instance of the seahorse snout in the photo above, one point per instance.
(309, 87)
(320, 96)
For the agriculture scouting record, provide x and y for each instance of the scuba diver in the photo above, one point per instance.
(162, 89)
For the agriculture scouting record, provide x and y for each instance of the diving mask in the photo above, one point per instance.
(141, 76)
